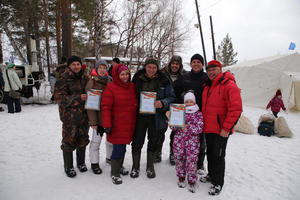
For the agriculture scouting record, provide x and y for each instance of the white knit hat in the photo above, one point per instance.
(189, 96)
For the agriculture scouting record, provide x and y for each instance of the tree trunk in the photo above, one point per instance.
(1, 51)
(58, 30)
(99, 14)
(47, 35)
(66, 29)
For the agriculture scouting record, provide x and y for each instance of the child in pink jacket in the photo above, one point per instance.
(187, 144)
(276, 103)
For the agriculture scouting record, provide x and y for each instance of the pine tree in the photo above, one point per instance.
(225, 52)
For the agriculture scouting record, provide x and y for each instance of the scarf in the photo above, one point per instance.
(192, 109)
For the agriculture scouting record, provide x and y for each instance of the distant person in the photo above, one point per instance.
(194, 80)
(52, 81)
(186, 144)
(98, 80)
(70, 95)
(150, 79)
(118, 109)
(12, 82)
(276, 103)
(221, 108)
(114, 62)
(174, 70)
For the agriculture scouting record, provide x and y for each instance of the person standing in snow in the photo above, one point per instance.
(12, 82)
(186, 144)
(276, 103)
(118, 107)
(221, 108)
(69, 92)
(150, 79)
(174, 70)
(194, 80)
(98, 80)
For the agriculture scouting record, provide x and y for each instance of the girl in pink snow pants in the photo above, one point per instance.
(187, 144)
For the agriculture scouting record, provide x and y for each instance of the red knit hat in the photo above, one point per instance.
(278, 93)
(214, 63)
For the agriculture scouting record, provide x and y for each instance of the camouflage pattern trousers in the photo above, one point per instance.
(74, 135)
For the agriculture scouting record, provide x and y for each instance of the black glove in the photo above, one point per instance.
(107, 130)
(100, 131)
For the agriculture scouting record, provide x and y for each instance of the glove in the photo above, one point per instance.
(107, 130)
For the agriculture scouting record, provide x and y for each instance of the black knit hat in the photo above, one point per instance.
(152, 61)
(198, 57)
(73, 59)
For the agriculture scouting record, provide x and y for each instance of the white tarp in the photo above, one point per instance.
(259, 80)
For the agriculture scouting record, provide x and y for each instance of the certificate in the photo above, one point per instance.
(93, 99)
(177, 112)
(147, 102)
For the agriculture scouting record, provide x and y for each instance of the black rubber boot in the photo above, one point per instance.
(80, 158)
(123, 170)
(150, 165)
(96, 168)
(135, 171)
(157, 158)
(115, 171)
(68, 164)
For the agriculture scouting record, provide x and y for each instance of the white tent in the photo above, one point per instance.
(259, 80)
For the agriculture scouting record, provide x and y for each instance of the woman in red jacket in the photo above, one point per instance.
(118, 107)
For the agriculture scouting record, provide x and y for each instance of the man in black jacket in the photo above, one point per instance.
(194, 80)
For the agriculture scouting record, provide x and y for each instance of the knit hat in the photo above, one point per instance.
(73, 59)
(278, 93)
(189, 96)
(122, 68)
(198, 57)
(100, 62)
(10, 65)
(214, 63)
(152, 61)
(116, 60)
(176, 59)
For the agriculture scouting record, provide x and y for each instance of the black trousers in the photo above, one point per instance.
(275, 114)
(145, 124)
(202, 152)
(216, 151)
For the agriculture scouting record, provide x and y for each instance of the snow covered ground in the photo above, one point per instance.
(31, 165)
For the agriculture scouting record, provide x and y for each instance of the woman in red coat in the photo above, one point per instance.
(118, 108)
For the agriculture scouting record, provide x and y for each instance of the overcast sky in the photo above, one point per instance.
(258, 28)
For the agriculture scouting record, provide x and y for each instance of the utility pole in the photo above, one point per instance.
(212, 37)
(200, 29)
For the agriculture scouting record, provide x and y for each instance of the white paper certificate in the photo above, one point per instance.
(147, 102)
(93, 99)
(177, 112)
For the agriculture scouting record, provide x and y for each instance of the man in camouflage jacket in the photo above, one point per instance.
(70, 95)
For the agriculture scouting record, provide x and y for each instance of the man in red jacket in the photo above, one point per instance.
(221, 107)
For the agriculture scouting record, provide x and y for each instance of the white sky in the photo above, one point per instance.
(258, 28)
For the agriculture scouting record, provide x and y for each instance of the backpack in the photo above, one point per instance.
(266, 128)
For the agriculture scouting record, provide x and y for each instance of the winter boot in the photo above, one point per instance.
(192, 187)
(96, 168)
(135, 171)
(181, 182)
(215, 190)
(150, 167)
(80, 157)
(115, 171)
(172, 159)
(157, 158)
(123, 170)
(205, 179)
(68, 164)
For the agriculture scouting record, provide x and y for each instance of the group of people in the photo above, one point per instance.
(212, 107)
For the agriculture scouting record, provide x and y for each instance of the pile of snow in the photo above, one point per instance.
(31, 165)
